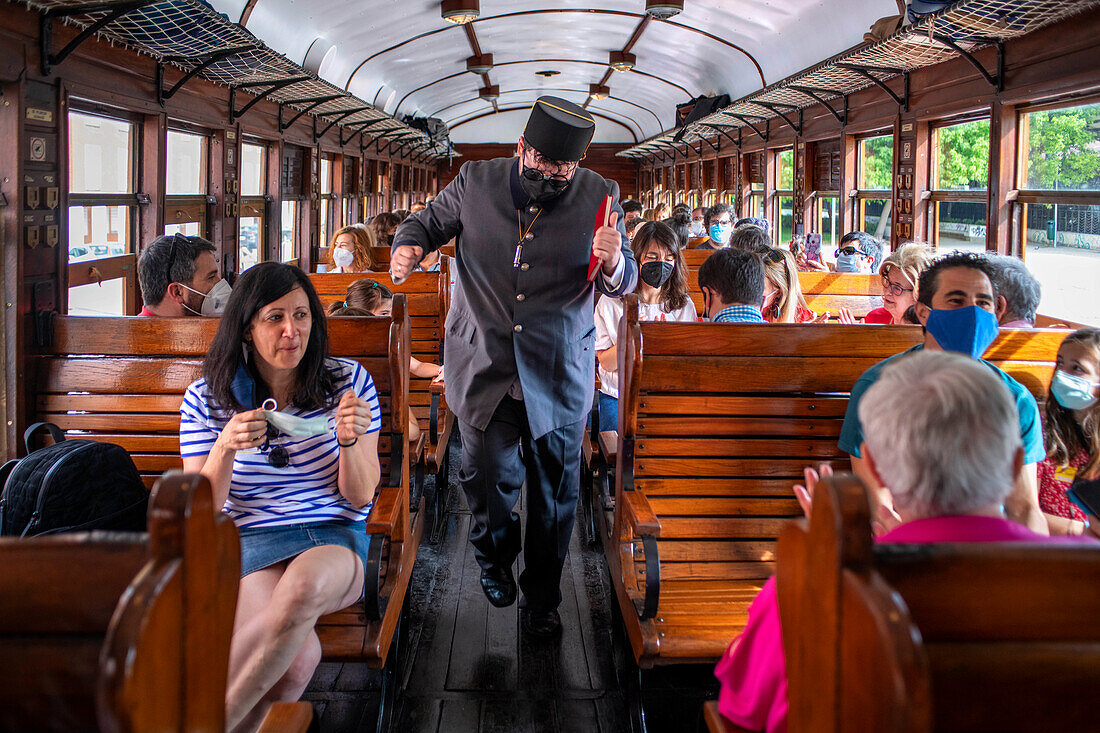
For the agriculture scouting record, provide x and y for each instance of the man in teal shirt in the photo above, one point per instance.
(956, 305)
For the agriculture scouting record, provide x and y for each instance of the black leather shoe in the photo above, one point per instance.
(544, 623)
(499, 586)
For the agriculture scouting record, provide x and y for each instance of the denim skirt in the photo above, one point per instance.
(262, 547)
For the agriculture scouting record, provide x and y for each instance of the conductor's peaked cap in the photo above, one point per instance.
(559, 129)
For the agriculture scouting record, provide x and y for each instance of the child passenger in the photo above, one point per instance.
(662, 296)
(1070, 432)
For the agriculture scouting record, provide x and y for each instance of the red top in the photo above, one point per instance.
(146, 312)
(1054, 481)
(753, 671)
(802, 315)
(879, 317)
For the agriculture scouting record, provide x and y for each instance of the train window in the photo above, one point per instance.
(289, 233)
(960, 175)
(349, 191)
(874, 170)
(784, 193)
(185, 184)
(825, 185)
(293, 189)
(251, 232)
(102, 166)
(1059, 207)
(326, 200)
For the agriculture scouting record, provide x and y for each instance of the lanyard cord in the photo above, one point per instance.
(519, 224)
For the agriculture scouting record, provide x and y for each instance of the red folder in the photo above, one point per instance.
(603, 216)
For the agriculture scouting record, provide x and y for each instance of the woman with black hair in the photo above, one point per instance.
(288, 438)
(662, 296)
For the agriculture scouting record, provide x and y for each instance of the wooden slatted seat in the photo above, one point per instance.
(961, 637)
(125, 631)
(823, 291)
(429, 299)
(718, 422)
(122, 380)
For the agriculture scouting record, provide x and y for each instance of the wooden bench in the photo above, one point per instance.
(962, 637)
(125, 631)
(823, 291)
(122, 380)
(719, 421)
(429, 299)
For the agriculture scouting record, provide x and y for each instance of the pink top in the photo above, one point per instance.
(1018, 324)
(753, 671)
(879, 317)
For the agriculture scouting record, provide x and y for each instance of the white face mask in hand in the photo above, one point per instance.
(342, 257)
(298, 427)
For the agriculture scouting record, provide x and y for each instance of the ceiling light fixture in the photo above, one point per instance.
(460, 11)
(622, 60)
(480, 64)
(490, 92)
(598, 91)
(664, 9)
(319, 55)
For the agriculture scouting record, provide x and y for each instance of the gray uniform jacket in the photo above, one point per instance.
(531, 319)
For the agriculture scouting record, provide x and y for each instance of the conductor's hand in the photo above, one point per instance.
(353, 417)
(607, 246)
(243, 431)
(403, 260)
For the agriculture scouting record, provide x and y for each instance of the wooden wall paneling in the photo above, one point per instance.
(922, 172)
(847, 210)
(220, 220)
(771, 205)
(12, 369)
(272, 234)
(800, 182)
(152, 151)
(1002, 176)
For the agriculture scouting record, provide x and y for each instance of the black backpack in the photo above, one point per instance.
(71, 486)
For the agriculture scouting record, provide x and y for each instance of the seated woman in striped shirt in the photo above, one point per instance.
(298, 478)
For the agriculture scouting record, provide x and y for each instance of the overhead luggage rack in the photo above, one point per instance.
(192, 37)
(951, 33)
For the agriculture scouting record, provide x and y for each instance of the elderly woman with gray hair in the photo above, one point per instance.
(941, 433)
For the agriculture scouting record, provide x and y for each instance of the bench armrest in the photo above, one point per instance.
(287, 717)
(438, 401)
(639, 515)
(644, 525)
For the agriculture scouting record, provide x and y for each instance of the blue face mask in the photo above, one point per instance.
(1073, 392)
(848, 263)
(967, 330)
(720, 234)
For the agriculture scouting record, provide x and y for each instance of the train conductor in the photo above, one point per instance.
(519, 345)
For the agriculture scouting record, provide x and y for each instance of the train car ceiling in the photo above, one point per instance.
(404, 57)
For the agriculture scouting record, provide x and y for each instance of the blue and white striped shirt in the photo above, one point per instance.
(261, 495)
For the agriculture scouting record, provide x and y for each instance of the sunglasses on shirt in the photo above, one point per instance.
(279, 456)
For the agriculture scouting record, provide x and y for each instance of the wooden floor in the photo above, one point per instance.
(469, 667)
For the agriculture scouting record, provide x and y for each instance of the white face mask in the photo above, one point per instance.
(698, 228)
(342, 257)
(298, 427)
(213, 303)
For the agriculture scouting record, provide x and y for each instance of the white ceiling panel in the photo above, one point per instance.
(401, 52)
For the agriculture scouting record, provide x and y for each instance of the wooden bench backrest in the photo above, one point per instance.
(120, 632)
(934, 637)
(718, 421)
(121, 379)
(429, 298)
(823, 291)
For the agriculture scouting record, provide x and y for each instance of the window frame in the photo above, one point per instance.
(938, 196)
(109, 266)
(858, 196)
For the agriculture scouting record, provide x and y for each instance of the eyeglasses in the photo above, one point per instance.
(893, 288)
(279, 457)
(847, 251)
(179, 239)
(537, 176)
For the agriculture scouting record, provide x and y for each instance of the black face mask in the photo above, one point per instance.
(389, 239)
(655, 274)
(540, 188)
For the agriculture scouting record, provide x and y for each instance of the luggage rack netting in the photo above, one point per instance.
(193, 37)
(956, 31)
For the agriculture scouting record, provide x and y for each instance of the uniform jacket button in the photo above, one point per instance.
(528, 236)
(521, 297)
(525, 267)
(517, 328)
(533, 209)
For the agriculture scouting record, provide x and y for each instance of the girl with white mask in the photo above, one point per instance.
(1070, 433)
(350, 250)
